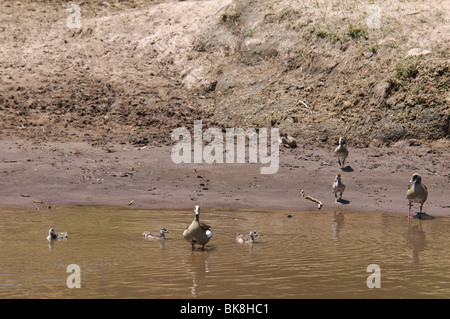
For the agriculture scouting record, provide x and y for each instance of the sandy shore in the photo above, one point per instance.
(37, 175)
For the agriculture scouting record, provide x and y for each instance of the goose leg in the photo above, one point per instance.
(409, 211)
(192, 246)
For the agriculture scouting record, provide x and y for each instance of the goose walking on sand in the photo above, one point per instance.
(155, 235)
(338, 187)
(197, 233)
(248, 239)
(54, 235)
(417, 192)
(341, 152)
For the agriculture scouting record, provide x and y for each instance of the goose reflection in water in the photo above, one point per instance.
(338, 223)
(197, 267)
(416, 240)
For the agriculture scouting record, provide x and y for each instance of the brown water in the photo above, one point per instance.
(311, 255)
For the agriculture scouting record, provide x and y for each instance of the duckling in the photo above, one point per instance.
(417, 192)
(249, 239)
(288, 140)
(341, 152)
(154, 235)
(338, 187)
(54, 235)
(197, 233)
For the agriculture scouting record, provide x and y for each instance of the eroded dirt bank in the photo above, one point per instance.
(135, 70)
(86, 113)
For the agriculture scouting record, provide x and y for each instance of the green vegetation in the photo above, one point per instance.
(374, 48)
(329, 35)
(351, 33)
(406, 70)
(357, 33)
(223, 16)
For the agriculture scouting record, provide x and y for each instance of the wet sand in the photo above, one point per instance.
(38, 175)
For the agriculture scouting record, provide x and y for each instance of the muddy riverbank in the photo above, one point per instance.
(37, 175)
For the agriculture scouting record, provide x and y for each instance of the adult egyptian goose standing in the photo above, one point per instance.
(197, 233)
(54, 235)
(154, 235)
(338, 187)
(417, 192)
(341, 152)
(248, 239)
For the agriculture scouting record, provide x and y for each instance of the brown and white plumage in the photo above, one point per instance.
(248, 239)
(156, 235)
(288, 140)
(338, 187)
(417, 192)
(53, 235)
(341, 152)
(197, 233)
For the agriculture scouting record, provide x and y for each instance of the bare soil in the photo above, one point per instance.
(87, 113)
(39, 175)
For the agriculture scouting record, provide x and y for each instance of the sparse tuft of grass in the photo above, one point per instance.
(406, 70)
(223, 16)
(374, 48)
(358, 33)
(321, 33)
(328, 34)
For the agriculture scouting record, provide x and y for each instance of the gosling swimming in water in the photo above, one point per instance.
(249, 239)
(54, 235)
(155, 235)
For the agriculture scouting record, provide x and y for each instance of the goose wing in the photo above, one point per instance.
(204, 226)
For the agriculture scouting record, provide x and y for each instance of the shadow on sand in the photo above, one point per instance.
(423, 216)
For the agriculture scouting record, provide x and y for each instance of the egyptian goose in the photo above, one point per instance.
(338, 187)
(249, 239)
(417, 192)
(197, 233)
(288, 140)
(341, 152)
(54, 235)
(160, 235)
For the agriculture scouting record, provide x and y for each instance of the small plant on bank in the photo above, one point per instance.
(329, 35)
(406, 70)
(357, 33)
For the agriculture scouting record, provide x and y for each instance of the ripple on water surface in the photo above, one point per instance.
(311, 255)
